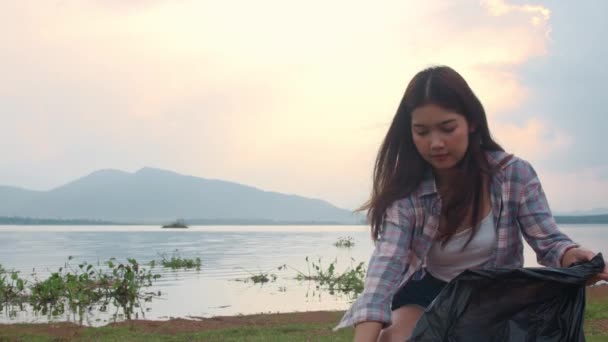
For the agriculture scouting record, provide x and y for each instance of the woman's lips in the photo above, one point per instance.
(439, 157)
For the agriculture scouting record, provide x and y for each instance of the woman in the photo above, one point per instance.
(446, 198)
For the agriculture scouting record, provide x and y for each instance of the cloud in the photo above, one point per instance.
(591, 182)
(567, 86)
(275, 94)
(539, 15)
(535, 140)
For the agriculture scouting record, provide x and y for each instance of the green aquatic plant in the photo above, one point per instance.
(349, 282)
(175, 261)
(78, 289)
(124, 284)
(12, 288)
(261, 277)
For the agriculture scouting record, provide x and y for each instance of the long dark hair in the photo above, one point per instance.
(399, 167)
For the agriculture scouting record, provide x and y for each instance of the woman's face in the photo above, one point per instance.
(441, 136)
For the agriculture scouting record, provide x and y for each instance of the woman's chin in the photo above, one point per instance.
(442, 165)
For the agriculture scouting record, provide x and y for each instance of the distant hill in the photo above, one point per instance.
(154, 195)
(590, 219)
(13, 198)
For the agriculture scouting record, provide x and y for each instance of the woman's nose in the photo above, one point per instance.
(436, 142)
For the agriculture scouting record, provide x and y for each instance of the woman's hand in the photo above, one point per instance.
(579, 254)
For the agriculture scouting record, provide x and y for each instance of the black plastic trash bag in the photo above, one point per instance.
(526, 304)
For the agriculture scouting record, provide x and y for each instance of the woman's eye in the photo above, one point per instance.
(448, 129)
(422, 133)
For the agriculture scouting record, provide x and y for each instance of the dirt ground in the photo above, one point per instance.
(597, 292)
(172, 326)
(179, 325)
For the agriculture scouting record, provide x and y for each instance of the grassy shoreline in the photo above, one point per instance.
(296, 326)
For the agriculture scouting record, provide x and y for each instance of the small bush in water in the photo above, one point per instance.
(345, 242)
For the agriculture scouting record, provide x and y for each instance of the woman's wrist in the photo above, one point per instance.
(566, 256)
(367, 331)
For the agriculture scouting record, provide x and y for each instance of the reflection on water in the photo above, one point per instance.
(228, 253)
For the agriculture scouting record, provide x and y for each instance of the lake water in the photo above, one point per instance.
(228, 253)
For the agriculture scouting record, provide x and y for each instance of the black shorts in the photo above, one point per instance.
(419, 292)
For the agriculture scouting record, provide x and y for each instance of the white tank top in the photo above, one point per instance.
(447, 262)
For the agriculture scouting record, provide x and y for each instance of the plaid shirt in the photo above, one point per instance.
(519, 208)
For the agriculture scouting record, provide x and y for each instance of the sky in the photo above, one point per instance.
(293, 97)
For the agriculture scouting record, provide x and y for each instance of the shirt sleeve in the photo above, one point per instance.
(385, 271)
(538, 224)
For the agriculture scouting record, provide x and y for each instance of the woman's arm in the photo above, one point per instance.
(372, 310)
(537, 224)
(552, 247)
(367, 331)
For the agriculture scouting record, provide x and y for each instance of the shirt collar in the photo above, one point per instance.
(427, 186)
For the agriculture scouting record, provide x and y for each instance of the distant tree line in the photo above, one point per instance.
(15, 220)
(262, 222)
(591, 219)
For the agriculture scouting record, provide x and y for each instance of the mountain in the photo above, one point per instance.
(14, 198)
(155, 195)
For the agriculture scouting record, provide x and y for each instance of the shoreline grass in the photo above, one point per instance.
(298, 326)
